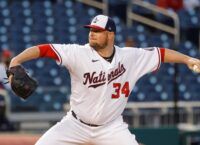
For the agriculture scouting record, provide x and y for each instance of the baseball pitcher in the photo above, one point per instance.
(102, 77)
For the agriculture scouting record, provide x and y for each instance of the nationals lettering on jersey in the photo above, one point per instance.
(95, 80)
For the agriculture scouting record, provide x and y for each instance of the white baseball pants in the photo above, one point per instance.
(70, 131)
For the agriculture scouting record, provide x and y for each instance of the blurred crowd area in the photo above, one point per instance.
(24, 23)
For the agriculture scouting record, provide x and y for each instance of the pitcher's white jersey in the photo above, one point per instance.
(100, 89)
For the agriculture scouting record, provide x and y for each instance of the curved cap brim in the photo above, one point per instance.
(94, 26)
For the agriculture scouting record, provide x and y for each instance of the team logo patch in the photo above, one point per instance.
(95, 20)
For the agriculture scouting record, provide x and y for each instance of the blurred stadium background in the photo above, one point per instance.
(164, 107)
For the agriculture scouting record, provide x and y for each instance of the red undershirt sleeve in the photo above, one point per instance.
(162, 53)
(47, 51)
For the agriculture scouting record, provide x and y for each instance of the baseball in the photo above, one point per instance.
(195, 68)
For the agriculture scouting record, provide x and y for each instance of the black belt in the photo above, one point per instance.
(75, 116)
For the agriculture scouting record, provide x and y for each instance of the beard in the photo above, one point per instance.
(98, 46)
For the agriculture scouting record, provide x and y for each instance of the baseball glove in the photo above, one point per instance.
(21, 83)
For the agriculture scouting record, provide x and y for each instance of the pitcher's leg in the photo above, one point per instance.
(123, 137)
(66, 132)
(115, 133)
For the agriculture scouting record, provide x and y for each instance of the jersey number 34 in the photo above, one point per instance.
(121, 89)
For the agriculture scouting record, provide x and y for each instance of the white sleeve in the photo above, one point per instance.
(147, 60)
(65, 53)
